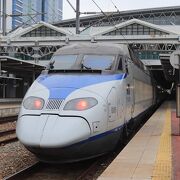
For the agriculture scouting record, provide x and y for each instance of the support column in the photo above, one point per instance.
(77, 16)
(4, 15)
(43, 10)
(0, 15)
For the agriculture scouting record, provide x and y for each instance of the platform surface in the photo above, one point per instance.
(149, 154)
(10, 100)
(9, 108)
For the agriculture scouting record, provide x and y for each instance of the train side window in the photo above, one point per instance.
(126, 66)
(120, 65)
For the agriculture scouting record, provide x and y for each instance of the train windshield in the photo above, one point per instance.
(64, 61)
(94, 62)
(100, 62)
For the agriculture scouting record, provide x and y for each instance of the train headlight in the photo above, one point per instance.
(33, 103)
(81, 104)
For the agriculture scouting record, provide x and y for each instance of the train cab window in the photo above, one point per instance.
(63, 62)
(126, 66)
(100, 62)
(120, 65)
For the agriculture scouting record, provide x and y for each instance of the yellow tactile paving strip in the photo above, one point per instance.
(148, 155)
(163, 166)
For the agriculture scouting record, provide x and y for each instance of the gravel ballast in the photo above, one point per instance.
(14, 157)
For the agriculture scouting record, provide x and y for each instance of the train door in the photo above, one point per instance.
(112, 107)
(121, 103)
(129, 91)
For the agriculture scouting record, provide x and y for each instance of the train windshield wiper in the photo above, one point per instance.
(85, 67)
(50, 66)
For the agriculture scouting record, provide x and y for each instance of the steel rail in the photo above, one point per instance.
(9, 140)
(6, 136)
(7, 132)
(24, 172)
(8, 119)
(91, 168)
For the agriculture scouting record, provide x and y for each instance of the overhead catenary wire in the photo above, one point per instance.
(101, 10)
(115, 6)
(134, 58)
(71, 5)
(21, 14)
(31, 17)
(110, 21)
(86, 13)
(29, 7)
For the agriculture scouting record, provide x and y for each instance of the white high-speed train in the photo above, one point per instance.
(79, 106)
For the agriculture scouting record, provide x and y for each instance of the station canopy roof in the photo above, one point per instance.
(42, 29)
(14, 65)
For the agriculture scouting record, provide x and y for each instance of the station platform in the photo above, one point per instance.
(9, 107)
(153, 153)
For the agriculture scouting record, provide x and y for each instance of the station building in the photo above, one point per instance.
(153, 34)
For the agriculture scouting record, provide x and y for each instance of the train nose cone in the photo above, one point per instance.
(50, 131)
(29, 129)
(63, 131)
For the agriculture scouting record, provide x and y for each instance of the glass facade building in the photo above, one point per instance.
(52, 11)
(17, 9)
(32, 11)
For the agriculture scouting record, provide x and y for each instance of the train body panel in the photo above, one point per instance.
(80, 111)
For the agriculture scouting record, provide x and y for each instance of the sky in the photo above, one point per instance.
(107, 5)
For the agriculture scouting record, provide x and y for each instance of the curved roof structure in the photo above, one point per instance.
(160, 16)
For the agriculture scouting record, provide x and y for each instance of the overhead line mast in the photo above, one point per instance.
(43, 10)
(77, 11)
(4, 15)
(77, 16)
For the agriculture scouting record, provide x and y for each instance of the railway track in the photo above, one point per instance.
(72, 171)
(26, 171)
(7, 136)
(7, 130)
(84, 170)
(7, 119)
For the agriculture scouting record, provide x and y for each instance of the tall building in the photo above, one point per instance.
(33, 11)
(17, 9)
(46, 10)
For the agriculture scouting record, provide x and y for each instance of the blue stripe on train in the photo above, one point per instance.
(60, 86)
(99, 136)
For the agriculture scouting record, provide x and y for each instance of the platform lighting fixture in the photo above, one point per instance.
(67, 40)
(8, 41)
(93, 40)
